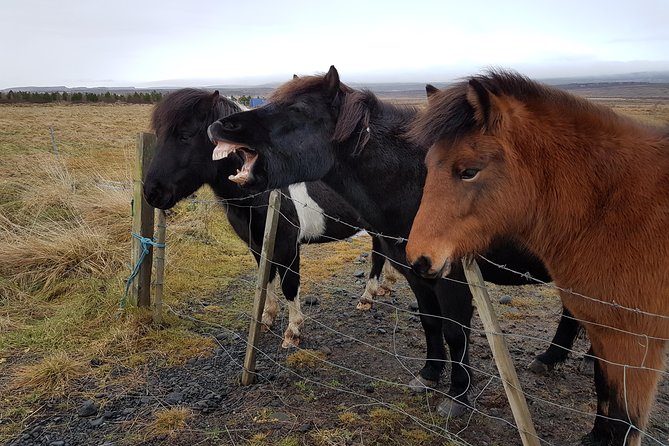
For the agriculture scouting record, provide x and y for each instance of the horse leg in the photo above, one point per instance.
(588, 363)
(428, 376)
(290, 285)
(562, 342)
(599, 435)
(630, 368)
(271, 305)
(390, 277)
(456, 308)
(271, 308)
(371, 288)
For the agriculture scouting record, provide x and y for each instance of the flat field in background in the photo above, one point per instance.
(64, 255)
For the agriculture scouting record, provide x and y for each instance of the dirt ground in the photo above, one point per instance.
(344, 386)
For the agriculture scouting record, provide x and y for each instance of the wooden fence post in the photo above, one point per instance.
(248, 373)
(160, 269)
(500, 352)
(142, 221)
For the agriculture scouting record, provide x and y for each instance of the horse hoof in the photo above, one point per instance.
(289, 342)
(450, 408)
(538, 367)
(364, 306)
(592, 440)
(421, 385)
(588, 366)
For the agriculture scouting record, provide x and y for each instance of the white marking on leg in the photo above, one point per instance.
(310, 214)
(271, 304)
(291, 337)
(367, 299)
(390, 275)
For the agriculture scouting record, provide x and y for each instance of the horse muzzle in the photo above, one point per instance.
(424, 267)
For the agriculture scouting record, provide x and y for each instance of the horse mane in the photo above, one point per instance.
(182, 105)
(452, 116)
(356, 107)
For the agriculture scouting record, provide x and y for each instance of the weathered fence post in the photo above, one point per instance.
(500, 352)
(248, 373)
(142, 221)
(160, 269)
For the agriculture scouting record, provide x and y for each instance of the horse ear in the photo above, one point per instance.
(331, 82)
(295, 76)
(486, 105)
(430, 90)
(215, 96)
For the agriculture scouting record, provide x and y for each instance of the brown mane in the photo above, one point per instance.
(288, 91)
(452, 116)
(356, 107)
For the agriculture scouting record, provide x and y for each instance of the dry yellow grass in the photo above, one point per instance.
(64, 253)
(54, 375)
(306, 359)
(169, 421)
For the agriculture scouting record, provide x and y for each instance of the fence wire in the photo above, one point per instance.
(409, 363)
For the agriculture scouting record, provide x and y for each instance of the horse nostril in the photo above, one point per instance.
(422, 266)
(151, 193)
(230, 126)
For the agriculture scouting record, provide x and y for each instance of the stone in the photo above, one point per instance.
(87, 409)
(505, 299)
(97, 422)
(174, 398)
(359, 274)
(413, 306)
(310, 299)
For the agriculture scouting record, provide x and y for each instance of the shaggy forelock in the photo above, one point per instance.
(182, 105)
(449, 114)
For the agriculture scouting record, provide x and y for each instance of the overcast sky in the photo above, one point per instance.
(198, 42)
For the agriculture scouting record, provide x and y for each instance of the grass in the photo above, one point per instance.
(64, 255)
(306, 359)
(169, 422)
(53, 375)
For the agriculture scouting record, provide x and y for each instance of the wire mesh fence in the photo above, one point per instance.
(354, 354)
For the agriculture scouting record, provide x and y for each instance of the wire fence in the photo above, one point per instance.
(392, 351)
(362, 364)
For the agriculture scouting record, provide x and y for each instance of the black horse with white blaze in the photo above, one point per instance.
(316, 128)
(183, 163)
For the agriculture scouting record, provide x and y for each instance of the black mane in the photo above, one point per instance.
(183, 104)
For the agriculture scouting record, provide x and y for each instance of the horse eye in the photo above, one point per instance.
(469, 174)
(184, 137)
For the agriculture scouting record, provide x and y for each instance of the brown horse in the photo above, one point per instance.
(586, 190)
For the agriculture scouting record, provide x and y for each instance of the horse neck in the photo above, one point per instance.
(384, 181)
(603, 187)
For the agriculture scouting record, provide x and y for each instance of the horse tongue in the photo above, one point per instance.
(222, 150)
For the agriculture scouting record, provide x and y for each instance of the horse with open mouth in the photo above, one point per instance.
(183, 164)
(317, 128)
(584, 188)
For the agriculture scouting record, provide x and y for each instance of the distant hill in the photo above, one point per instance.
(642, 84)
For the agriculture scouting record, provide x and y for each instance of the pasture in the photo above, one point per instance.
(64, 255)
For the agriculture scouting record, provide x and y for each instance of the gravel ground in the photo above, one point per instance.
(346, 388)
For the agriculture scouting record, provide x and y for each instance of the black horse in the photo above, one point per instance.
(316, 128)
(183, 163)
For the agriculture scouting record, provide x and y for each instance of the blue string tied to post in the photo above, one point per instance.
(146, 244)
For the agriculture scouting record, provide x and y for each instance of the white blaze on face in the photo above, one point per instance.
(312, 220)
